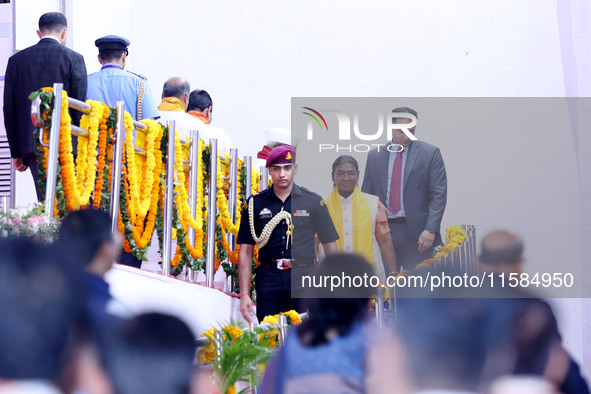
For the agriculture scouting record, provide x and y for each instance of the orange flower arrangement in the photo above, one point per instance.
(143, 229)
(102, 157)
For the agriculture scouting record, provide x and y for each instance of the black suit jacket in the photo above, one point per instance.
(424, 190)
(35, 67)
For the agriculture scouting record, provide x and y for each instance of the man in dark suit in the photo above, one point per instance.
(43, 64)
(409, 178)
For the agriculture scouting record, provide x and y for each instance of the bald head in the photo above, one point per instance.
(177, 87)
(501, 247)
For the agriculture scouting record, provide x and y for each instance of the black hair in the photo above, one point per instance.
(338, 308)
(111, 54)
(39, 307)
(148, 340)
(173, 89)
(81, 234)
(52, 21)
(344, 159)
(200, 100)
(406, 110)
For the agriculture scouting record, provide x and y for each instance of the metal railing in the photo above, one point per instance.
(193, 178)
(193, 166)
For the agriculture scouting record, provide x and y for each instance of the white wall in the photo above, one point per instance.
(27, 20)
(254, 56)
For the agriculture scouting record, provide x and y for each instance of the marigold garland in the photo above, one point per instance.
(68, 172)
(144, 228)
(86, 162)
(102, 156)
(222, 201)
(134, 193)
(142, 184)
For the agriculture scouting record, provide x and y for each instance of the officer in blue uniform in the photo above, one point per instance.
(282, 222)
(112, 83)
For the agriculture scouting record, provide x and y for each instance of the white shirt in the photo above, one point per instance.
(52, 37)
(183, 122)
(224, 141)
(347, 208)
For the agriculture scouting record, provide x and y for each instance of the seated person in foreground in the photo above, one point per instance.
(327, 352)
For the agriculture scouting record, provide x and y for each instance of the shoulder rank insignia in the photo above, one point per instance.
(138, 75)
(322, 202)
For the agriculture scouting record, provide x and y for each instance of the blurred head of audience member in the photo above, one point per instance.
(445, 341)
(86, 241)
(533, 346)
(328, 351)
(38, 304)
(89, 248)
(501, 252)
(334, 311)
(151, 354)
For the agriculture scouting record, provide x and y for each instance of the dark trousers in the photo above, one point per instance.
(274, 290)
(30, 161)
(129, 259)
(406, 248)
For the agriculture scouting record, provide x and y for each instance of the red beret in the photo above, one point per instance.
(281, 154)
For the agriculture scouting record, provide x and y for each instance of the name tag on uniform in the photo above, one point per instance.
(265, 214)
(301, 212)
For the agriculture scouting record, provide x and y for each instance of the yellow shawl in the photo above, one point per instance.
(171, 104)
(362, 223)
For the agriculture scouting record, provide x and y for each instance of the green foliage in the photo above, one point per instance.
(241, 359)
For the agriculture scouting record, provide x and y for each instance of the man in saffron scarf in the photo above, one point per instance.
(175, 99)
(201, 107)
(360, 219)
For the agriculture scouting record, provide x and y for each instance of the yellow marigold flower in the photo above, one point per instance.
(451, 245)
(234, 331)
(271, 319)
(270, 337)
(294, 317)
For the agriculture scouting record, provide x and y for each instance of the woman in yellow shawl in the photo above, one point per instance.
(360, 219)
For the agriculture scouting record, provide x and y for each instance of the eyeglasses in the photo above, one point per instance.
(349, 175)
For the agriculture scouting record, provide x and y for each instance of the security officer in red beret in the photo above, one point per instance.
(282, 222)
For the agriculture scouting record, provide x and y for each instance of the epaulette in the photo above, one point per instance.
(245, 202)
(137, 75)
(321, 201)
